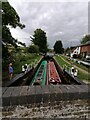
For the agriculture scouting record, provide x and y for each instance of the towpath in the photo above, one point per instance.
(82, 70)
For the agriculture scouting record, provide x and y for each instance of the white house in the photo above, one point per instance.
(76, 52)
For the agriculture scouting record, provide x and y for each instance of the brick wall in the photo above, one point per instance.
(85, 48)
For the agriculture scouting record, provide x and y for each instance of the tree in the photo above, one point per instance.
(67, 49)
(33, 49)
(9, 18)
(85, 39)
(23, 44)
(39, 38)
(58, 47)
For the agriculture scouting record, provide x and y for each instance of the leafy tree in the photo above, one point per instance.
(67, 49)
(9, 18)
(5, 52)
(7, 37)
(23, 44)
(85, 39)
(33, 49)
(39, 38)
(58, 47)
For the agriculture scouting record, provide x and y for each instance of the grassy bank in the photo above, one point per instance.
(19, 60)
(75, 63)
(64, 62)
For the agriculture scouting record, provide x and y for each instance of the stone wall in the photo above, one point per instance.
(43, 94)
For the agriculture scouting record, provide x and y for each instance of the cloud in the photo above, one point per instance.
(58, 33)
(21, 35)
(66, 21)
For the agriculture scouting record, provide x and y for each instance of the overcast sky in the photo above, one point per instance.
(65, 21)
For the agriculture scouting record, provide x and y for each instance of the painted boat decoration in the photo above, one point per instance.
(53, 77)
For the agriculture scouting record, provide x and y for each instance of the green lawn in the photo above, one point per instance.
(62, 62)
(81, 75)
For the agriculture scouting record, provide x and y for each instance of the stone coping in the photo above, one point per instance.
(43, 94)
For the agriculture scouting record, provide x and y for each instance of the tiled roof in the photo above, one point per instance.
(87, 43)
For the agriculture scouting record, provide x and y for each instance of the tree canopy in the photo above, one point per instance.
(85, 39)
(39, 38)
(33, 49)
(58, 47)
(9, 18)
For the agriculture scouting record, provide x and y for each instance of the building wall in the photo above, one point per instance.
(85, 50)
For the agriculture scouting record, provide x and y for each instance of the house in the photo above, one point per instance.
(76, 52)
(82, 50)
(85, 50)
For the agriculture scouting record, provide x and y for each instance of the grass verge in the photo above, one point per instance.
(64, 62)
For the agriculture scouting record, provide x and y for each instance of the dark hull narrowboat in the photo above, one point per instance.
(53, 77)
(40, 75)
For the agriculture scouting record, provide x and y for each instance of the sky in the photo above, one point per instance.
(65, 21)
